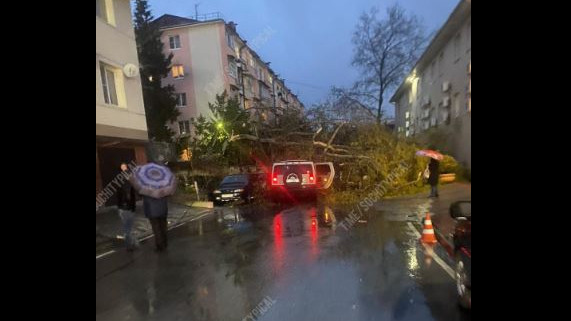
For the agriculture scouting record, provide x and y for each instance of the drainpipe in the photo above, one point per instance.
(242, 75)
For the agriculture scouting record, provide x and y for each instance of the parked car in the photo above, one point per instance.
(299, 178)
(461, 211)
(238, 187)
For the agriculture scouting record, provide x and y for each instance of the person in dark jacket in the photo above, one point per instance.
(156, 210)
(126, 203)
(434, 177)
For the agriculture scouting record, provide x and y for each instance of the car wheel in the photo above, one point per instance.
(462, 286)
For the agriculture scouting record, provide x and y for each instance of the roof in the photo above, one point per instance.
(169, 21)
(460, 14)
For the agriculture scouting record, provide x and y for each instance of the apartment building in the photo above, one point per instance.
(436, 97)
(120, 123)
(209, 56)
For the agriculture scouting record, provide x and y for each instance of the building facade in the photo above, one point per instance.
(120, 123)
(436, 97)
(210, 57)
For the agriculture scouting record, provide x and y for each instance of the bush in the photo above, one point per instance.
(449, 165)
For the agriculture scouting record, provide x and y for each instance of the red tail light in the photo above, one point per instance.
(311, 179)
(276, 180)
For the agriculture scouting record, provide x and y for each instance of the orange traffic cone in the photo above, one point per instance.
(428, 236)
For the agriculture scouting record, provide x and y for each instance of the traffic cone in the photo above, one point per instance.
(428, 253)
(428, 236)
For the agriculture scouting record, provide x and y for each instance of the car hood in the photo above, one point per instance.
(232, 186)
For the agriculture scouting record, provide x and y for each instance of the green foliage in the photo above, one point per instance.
(211, 140)
(160, 103)
(449, 165)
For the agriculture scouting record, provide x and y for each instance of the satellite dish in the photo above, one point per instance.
(130, 70)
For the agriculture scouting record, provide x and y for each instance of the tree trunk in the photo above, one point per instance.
(380, 107)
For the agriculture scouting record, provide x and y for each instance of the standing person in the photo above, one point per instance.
(126, 203)
(156, 210)
(434, 176)
(155, 181)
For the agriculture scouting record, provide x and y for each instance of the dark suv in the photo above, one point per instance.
(462, 212)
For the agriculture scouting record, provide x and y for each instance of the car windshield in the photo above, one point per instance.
(235, 179)
(298, 168)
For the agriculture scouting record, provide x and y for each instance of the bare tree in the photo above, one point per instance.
(384, 51)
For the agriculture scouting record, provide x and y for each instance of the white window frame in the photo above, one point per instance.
(109, 14)
(118, 83)
(179, 100)
(172, 40)
(233, 69)
(184, 127)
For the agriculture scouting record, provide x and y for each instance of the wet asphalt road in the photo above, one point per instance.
(294, 263)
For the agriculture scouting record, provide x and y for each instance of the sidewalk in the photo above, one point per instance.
(108, 227)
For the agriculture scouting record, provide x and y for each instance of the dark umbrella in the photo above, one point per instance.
(154, 180)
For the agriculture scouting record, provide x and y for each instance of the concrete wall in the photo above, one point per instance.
(115, 46)
(449, 65)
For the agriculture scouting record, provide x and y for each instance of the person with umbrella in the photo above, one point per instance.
(155, 182)
(126, 200)
(433, 168)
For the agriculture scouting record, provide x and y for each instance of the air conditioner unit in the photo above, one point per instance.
(446, 102)
(445, 86)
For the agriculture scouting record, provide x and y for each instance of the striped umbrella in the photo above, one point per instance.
(430, 153)
(154, 180)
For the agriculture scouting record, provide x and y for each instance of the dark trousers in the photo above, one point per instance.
(160, 231)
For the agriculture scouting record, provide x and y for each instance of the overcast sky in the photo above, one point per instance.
(309, 42)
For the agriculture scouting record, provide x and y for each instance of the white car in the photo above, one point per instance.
(294, 178)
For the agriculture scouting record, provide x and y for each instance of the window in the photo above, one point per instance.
(441, 64)
(456, 48)
(104, 10)
(233, 70)
(230, 40)
(249, 86)
(432, 67)
(174, 42)
(181, 100)
(108, 81)
(177, 71)
(407, 115)
(251, 62)
(184, 127)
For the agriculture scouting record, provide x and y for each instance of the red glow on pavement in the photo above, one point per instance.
(313, 232)
(278, 242)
